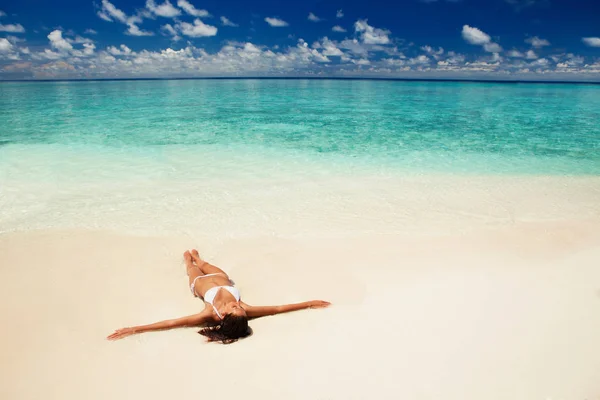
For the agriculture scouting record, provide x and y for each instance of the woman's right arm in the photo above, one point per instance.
(190, 320)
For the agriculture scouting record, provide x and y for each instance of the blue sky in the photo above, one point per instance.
(477, 39)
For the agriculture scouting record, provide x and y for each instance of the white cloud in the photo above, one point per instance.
(339, 14)
(121, 51)
(422, 59)
(5, 46)
(537, 42)
(371, 35)
(134, 30)
(58, 42)
(2, 14)
(338, 28)
(540, 62)
(109, 11)
(15, 39)
(88, 49)
(312, 17)
(51, 55)
(329, 48)
(191, 10)
(166, 9)
(432, 52)
(515, 54)
(591, 41)
(79, 40)
(492, 47)
(70, 56)
(276, 22)
(530, 55)
(12, 28)
(90, 32)
(354, 46)
(104, 16)
(197, 29)
(227, 22)
(475, 35)
(170, 30)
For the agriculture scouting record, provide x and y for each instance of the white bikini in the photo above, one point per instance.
(211, 293)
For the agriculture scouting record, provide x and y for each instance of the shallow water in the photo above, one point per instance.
(156, 155)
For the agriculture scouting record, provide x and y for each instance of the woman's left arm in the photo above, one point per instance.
(263, 311)
(190, 320)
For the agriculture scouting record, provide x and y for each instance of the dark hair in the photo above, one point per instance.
(231, 328)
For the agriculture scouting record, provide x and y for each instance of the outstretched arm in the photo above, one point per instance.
(190, 320)
(262, 311)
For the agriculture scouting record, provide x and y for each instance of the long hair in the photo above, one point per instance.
(231, 328)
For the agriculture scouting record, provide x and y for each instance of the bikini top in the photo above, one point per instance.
(211, 293)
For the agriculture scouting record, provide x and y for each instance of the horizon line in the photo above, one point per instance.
(508, 81)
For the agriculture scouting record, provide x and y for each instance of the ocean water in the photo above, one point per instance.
(261, 155)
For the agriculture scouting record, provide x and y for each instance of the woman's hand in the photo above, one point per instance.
(318, 304)
(121, 333)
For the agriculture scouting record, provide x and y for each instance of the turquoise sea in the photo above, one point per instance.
(75, 151)
(463, 127)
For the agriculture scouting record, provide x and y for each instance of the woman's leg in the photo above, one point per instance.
(205, 267)
(192, 270)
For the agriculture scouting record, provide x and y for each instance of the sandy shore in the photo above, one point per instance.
(504, 313)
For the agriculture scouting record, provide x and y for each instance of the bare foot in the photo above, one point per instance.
(196, 257)
(188, 259)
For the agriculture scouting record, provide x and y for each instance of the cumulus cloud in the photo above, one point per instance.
(477, 37)
(5, 46)
(276, 22)
(58, 42)
(191, 10)
(492, 47)
(109, 12)
(169, 30)
(591, 41)
(88, 49)
(166, 9)
(422, 59)
(537, 42)
(368, 53)
(134, 30)
(328, 48)
(12, 28)
(312, 17)
(121, 51)
(197, 29)
(339, 14)
(530, 55)
(338, 28)
(437, 54)
(515, 54)
(371, 35)
(227, 22)
(90, 32)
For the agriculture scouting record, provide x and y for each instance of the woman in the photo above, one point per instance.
(224, 311)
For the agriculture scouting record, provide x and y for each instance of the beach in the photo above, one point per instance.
(461, 261)
(509, 310)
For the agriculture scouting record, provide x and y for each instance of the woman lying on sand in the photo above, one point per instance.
(226, 314)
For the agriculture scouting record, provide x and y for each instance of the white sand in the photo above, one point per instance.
(506, 310)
